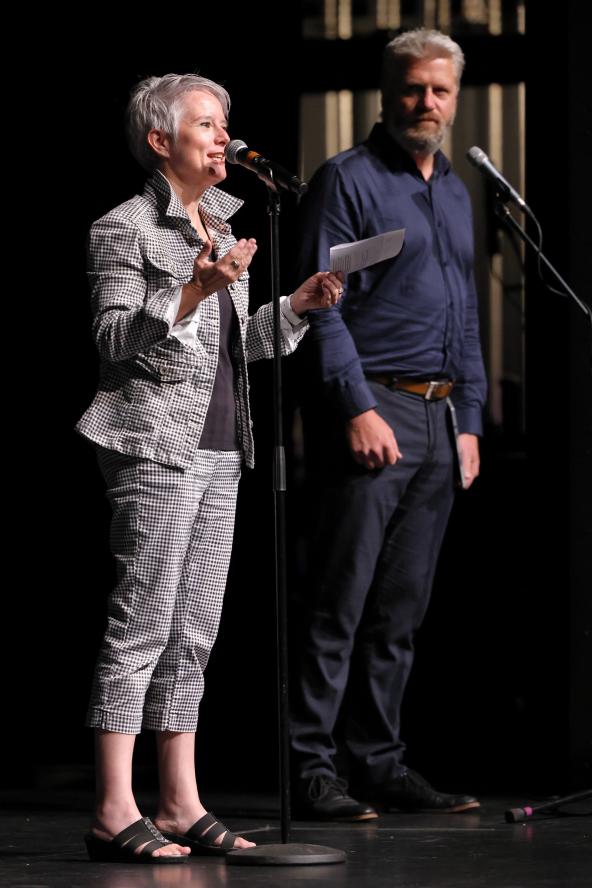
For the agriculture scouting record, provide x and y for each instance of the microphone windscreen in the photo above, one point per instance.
(232, 149)
(476, 156)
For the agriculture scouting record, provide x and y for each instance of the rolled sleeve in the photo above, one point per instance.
(259, 341)
(328, 218)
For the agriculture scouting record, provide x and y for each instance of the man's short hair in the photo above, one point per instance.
(420, 43)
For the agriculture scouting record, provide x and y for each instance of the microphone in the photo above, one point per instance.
(271, 173)
(480, 160)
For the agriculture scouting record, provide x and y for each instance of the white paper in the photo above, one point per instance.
(360, 254)
(462, 480)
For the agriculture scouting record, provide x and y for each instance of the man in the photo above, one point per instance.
(404, 344)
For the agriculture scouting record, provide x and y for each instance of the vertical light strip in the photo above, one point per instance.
(345, 102)
(521, 16)
(344, 19)
(496, 296)
(366, 111)
(330, 18)
(331, 124)
(388, 14)
(314, 110)
(327, 127)
(338, 124)
(429, 13)
(475, 11)
(495, 17)
(443, 23)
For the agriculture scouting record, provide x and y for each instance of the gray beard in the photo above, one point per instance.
(414, 143)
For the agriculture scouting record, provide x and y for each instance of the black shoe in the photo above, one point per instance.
(326, 798)
(411, 792)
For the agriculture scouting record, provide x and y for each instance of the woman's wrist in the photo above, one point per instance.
(293, 305)
(193, 289)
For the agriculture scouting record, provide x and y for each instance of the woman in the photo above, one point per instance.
(171, 423)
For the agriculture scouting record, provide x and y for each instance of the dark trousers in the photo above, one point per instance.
(371, 568)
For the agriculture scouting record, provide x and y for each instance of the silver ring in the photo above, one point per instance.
(235, 264)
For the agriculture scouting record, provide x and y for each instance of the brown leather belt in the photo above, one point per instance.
(433, 390)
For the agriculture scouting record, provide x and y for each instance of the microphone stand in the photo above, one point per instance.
(525, 812)
(503, 213)
(284, 853)
(519, 815)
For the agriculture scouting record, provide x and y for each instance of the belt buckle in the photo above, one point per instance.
(432, 386)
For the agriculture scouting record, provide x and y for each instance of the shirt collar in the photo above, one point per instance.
(396, 158)
(216, 205)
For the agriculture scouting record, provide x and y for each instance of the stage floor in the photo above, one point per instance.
(42, 847)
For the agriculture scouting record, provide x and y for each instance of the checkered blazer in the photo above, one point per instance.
(154, 390)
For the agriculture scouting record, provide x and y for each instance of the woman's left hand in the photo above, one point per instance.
(322, 290)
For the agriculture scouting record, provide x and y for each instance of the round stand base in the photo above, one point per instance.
(285, 855)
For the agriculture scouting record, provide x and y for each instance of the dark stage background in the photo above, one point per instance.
(500, 695)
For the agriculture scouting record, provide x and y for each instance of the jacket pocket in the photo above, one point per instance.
(161, 370)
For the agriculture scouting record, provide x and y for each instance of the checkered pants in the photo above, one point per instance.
(171, 536)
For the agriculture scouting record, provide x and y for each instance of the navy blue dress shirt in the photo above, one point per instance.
(411, 316)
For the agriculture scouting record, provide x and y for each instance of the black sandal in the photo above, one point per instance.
(201, 837)
(122, 848)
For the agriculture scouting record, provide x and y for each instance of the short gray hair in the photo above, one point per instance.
(420, 43)
(157, 103)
